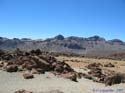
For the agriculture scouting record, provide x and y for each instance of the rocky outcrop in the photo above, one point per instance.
(108, 77)
(59, 37)
(36, 62)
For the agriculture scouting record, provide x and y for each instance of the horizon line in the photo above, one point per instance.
(58, 35)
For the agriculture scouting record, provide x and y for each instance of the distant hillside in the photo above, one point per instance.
(91, 46)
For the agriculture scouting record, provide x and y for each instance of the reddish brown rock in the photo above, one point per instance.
(28, 75)
(34, 71)
(1, 64)
(72, 76)
(79, 75)
(11, 68)
(23, 91)
(36, 62)
(94, 65)
(109, 65)
(115, 79)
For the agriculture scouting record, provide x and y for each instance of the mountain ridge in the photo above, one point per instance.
(91, 46)
(27, 38)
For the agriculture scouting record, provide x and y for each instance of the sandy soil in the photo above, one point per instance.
(77, 62)
(10, 82)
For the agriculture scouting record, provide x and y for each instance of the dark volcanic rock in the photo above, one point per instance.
(109, 65)
(115, 79)
(11, 68)
(28, 75)
(94, 65)
(71, 76)
(36, 62)
(107, 77)
(1, 53)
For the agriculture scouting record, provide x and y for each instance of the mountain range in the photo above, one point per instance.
(91, 46)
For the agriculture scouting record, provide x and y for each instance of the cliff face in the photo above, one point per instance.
(91, 46)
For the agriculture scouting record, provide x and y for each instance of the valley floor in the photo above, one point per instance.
(11, 82)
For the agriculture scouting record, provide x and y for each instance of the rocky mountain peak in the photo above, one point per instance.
(116, 41)
(59, 37)
(96, 38)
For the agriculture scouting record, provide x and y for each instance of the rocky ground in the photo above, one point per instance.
(11, 82)
(40, 72)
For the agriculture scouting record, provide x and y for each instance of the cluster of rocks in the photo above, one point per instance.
(109, 65)
(36, 62)
(116, 78)
(97, 74)
(117, 56)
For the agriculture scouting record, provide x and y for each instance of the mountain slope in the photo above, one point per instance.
(91, 46)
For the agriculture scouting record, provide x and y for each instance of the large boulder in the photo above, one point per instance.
(11, 68)
(35, 71)
(36, 52)
(41, 63)
(72, 76)
(59, 68)
(94, 65)
(1, 64)
(96, 72)
(28, 75)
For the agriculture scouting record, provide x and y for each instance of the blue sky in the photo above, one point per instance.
(47, 18)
